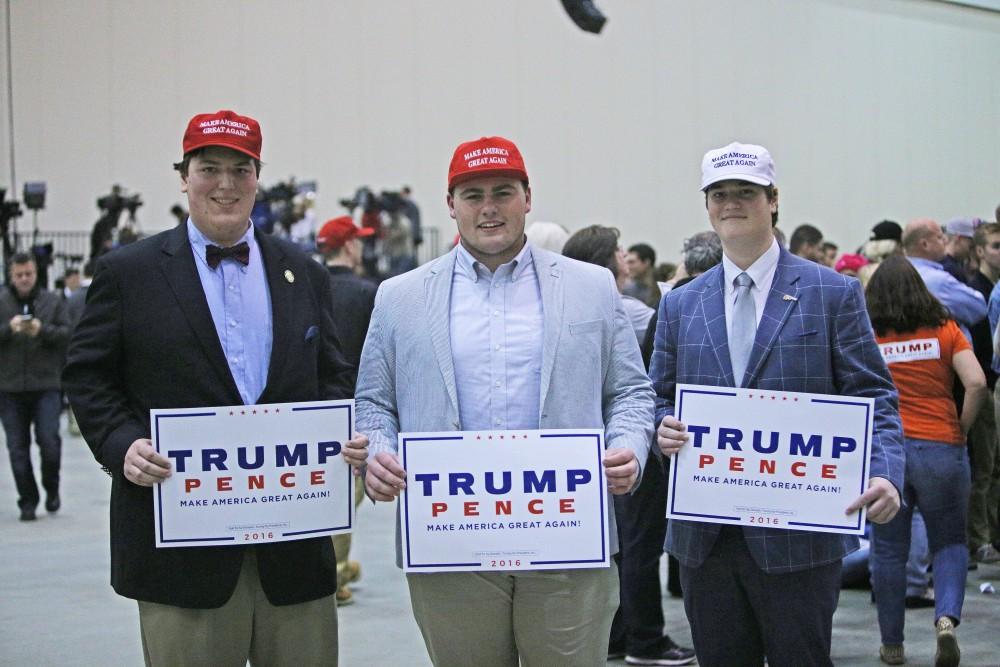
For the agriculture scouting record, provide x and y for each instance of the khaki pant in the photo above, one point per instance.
(342, 543)
(247, 627)
(553, 618)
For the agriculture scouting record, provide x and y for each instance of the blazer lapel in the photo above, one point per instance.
(437, 293)
(182, 275)
(281, 288)
(714, 310)
(552, 290)
(781, 301)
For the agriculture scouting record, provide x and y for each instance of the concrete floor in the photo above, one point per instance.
(56, 607)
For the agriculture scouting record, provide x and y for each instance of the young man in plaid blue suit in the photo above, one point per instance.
(751, 592)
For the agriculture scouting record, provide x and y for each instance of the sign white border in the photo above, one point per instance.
(695, 496)
(584, 546)
(228, 428)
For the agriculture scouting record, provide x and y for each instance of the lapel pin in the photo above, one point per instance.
(289, 276)
(787, 297)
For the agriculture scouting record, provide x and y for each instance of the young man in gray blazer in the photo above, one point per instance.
(499, 335)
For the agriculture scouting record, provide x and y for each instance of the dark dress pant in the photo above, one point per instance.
(739, 614)
(18, 410)
(642, 526)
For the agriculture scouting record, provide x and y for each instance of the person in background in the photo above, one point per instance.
(925, 351)
(71, 282)
(829, 249)
(549, 236)
(924, 243)
(598, 245)
(640, 282)
(984, 444)
(34, 330)
(339, 241)
(807, 243)
(637, 630)
(960, 258)
(849, 264)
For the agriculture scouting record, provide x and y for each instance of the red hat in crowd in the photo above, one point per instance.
(224, 128)
(486, 156)
(849, 262)
(338, 231)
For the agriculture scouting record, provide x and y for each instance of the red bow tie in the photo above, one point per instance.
(240, 252)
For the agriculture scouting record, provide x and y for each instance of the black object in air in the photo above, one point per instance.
(585, 15)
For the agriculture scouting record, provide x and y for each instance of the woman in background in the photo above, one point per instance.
(924, 350)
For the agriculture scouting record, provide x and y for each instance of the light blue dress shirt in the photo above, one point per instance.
(496, 342)
(965, 304)
(240, 302)
(993, 312)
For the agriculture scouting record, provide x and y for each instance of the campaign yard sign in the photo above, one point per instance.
(253, 474)
(775, 459)
(504, 500)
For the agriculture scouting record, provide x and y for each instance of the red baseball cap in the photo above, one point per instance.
(223, 128)
(486, 156)
(338, 231)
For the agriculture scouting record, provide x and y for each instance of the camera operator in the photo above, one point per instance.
(34, 331)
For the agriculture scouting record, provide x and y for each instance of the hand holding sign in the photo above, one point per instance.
(356, 452)
(385, 478)
(671, 435)
(143, 466)
(621, 469)
(882, 500)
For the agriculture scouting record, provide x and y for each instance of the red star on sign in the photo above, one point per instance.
(243, 412)
(501, 437)
(491, 437)
(230, 413)
(265, 412)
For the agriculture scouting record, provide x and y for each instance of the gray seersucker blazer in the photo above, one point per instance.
(592, 373)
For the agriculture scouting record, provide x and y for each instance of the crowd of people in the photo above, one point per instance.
(490, 337)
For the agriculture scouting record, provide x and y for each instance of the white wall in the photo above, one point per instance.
(871, 108)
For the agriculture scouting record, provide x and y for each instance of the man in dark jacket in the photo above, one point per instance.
(206, 314)
(33, 335)
(339, 240)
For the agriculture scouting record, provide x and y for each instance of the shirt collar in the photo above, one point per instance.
(758, 271)
(199, 242)
(917, 261)
(473, 269)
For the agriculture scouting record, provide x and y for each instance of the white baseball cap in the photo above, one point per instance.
(741, 162)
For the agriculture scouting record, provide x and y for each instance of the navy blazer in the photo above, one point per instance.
(820, 341)
(147, 340)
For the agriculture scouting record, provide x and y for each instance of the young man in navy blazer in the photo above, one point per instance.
(209, 313)
(752, 592)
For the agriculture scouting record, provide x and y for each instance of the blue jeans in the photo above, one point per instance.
(17, 411)
(937, 481)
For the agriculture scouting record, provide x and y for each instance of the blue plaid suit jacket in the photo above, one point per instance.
(821, 341)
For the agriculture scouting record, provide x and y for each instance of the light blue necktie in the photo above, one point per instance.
(744, 327)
